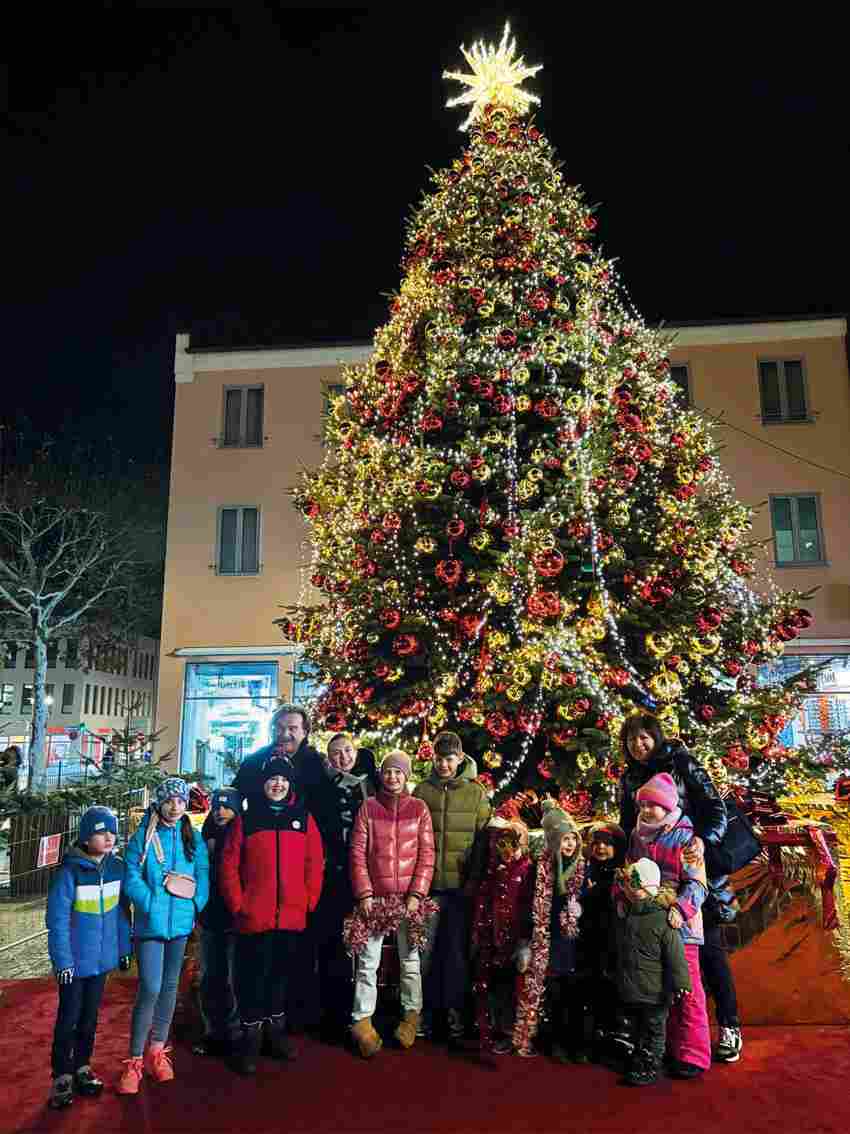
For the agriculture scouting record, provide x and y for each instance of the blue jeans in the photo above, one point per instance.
(159, 974)
(76, 1023)
(218, 1002)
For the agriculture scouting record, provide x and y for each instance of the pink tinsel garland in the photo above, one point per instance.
(386, 915)
(533, 984)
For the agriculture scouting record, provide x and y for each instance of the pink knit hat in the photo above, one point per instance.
(397, 759)
(661, 789)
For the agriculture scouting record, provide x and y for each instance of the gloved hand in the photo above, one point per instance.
(64, 976)
(125, 962)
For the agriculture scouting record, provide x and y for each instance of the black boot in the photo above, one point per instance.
(280, 1044)
(87, 1083)
(248, 1051)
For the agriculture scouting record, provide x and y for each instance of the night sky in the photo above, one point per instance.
(249, 175)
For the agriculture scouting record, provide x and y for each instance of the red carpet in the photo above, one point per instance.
(790, 1079)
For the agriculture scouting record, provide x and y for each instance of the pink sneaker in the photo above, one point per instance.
(158, 1065)
(131, 1077)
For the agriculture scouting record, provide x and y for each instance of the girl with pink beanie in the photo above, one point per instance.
(661, 834)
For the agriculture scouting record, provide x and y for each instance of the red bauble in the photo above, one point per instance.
(549, 563)
(390, 619)
(707, 713)
(405, 645)
(543, 604)
(455, 528)
(449, 571)
(431, 422)
(503, 403)
(391, 522)
(498, 724)
(460, 479)
(506, 339)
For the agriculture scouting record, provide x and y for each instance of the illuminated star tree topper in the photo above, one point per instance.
(495, 80)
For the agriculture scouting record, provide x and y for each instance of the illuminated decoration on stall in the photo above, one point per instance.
(518, 532)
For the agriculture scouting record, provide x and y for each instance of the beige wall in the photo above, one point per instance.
(724, 381)
(205, 610)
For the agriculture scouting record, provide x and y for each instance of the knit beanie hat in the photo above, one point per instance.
(226, 797)
(661, 789)
(171, 786)
(645, 874)
(397, 759)
(279, 766)
(610, 833)
(97, 821)
(557, 823)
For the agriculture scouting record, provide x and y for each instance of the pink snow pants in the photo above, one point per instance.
(688, 1037)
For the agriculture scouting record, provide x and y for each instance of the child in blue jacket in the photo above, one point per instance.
(168, 884)
(88, 935)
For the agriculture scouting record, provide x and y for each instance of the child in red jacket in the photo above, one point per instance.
(392, 864)
(270, 877)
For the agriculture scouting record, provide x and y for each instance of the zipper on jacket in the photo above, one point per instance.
(174, 868)
(277, 871)
(444, 856)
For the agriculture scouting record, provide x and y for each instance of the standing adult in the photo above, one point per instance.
(290, 728)
(10, 763)
(647, 752)
(347, 783)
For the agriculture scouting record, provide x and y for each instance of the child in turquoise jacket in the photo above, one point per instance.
(168, 884)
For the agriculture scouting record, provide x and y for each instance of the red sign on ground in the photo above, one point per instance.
(48, 850)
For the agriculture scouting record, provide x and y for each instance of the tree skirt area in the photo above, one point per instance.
(789, 1079)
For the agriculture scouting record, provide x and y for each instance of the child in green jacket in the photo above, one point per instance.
(460, 811)
(652, 970)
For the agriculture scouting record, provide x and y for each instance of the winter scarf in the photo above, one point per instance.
(533, 981)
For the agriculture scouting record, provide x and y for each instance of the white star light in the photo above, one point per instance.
(495, 79)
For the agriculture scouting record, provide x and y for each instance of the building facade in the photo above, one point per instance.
(246, 421)
(90, 694)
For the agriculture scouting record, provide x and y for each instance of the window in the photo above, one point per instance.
(26, 699)
(10, 655)
(102, 699)
(227, 711)
(7, 694)
(797, 530)
(239, 541)
(109, 702)
(72, 653)
(680, 376)
(243, 416)
(87, 698)
(29, 660)
(783, 390)
(52, 654)
(48, 697)
(67, 698)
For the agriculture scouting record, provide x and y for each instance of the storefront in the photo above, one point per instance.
(824, 713)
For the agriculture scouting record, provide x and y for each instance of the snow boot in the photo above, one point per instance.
(405, 1033)
(369, 1043)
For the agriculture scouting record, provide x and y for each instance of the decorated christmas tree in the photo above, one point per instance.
(520, 531)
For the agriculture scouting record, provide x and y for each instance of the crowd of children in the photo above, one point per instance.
(588, 950)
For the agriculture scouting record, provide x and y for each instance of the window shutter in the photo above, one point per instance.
(232, 416)
(771, 402)
(796, 391)
(250, 542)
(254, 417)
(227, 548)
(807, 524)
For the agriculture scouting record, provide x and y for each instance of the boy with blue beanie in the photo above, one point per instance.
(218, 936)
(88, 935)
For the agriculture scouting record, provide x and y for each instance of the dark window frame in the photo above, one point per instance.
(242, 441)
(784, 418)
(238, 571)
(793, 498)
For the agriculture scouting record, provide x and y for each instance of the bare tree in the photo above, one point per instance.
(60, 570)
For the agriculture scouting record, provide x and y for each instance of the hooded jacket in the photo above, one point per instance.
(688, 883)
(87, 925)
(156, 912)
(271, 866)
(698, 797)
(651, 956)
(459, 811)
